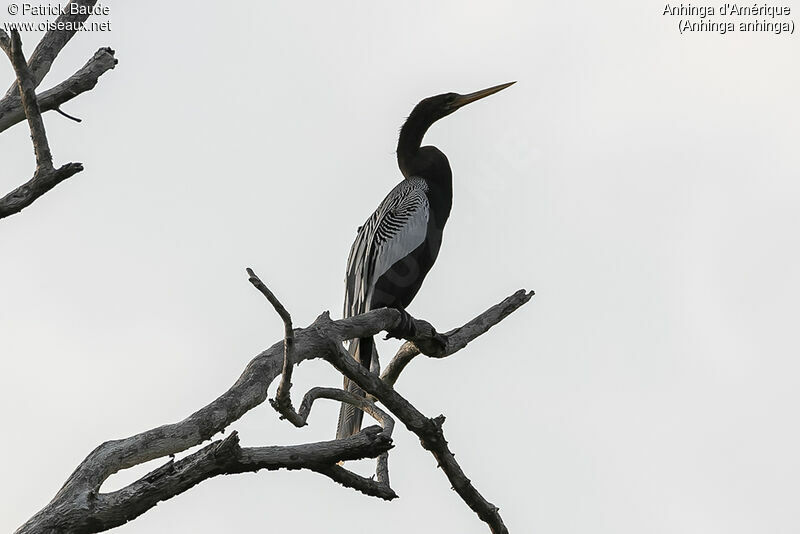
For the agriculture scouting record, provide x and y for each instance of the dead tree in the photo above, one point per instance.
(80, 506)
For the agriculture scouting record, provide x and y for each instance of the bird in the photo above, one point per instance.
(399, 243)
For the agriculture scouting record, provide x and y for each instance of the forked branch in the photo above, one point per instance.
(21, 101)
(283, 401)
(81, 507)
(428, 430)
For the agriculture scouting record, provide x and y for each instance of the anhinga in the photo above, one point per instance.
(398, 244)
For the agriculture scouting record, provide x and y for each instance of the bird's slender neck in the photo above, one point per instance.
(410, 141)
(428, 163)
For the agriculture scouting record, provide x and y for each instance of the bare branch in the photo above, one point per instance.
(368, 486)
(45, 177)
(283, 401)
(85, 79)
(27, 89)
(458, 338)
(345, 396)
(42, 182)
(223, 457)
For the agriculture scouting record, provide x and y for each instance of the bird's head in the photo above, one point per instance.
(410, 156)
(436, 107)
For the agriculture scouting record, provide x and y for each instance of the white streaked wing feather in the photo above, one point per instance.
(393, 231)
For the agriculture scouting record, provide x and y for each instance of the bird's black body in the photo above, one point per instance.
(398, 244)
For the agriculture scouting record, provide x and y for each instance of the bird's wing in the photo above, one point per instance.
(393, 231)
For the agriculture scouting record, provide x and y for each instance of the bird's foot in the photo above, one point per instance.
(439, 341)
(405, 329)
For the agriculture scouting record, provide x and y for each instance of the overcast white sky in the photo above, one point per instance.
(644, 183)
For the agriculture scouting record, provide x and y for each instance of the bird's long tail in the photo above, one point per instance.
(365, 352)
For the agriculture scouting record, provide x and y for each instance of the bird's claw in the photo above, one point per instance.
(440, 340)
(406, 329)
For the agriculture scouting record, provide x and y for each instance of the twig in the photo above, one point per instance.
(67, 115)
(283, 401)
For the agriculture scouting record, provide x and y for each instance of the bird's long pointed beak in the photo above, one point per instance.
(463, 100)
